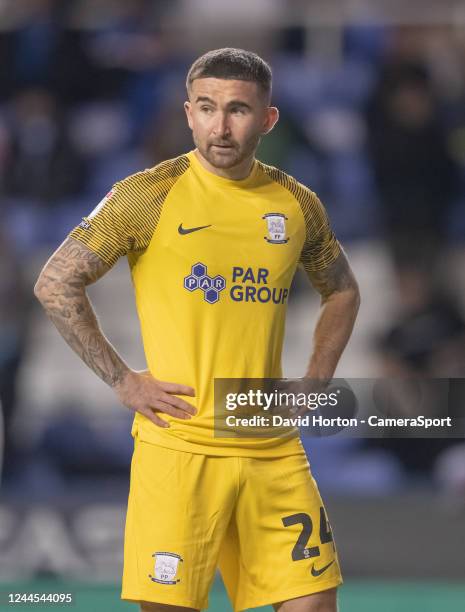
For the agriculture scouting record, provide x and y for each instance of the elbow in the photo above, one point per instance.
(345, 302)
(44, 288)
(353, 298)
(348, 298)
(356, 296)
(40, 289)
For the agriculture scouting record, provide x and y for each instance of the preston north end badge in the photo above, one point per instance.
(166, 568)
(276, 224)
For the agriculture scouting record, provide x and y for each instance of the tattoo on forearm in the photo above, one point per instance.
(61, 287)
(335, 278)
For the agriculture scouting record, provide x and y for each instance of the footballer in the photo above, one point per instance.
(213, 239)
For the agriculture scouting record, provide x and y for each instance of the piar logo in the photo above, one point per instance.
(247, 285)
(199, 279)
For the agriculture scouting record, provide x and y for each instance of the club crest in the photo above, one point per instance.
(166, 567)
(276, 225)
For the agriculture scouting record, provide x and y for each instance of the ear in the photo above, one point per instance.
(188, 109)
(271, 118)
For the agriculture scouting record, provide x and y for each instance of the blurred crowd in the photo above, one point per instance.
(92, 91)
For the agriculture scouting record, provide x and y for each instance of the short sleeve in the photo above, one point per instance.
(109, 229)
(321, 247)
(127, 217)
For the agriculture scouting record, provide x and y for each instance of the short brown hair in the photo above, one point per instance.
(229, 63)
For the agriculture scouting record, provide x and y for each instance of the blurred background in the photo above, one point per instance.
(372, 102)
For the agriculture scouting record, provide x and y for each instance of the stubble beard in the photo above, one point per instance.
(228, 158)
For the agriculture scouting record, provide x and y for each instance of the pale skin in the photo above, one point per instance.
(227, 119)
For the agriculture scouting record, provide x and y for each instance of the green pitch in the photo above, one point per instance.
(355, 596)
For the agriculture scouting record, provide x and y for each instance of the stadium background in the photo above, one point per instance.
(371, 95)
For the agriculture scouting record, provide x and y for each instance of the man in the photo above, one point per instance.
(205, 234)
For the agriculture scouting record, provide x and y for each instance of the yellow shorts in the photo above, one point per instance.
(261, 521)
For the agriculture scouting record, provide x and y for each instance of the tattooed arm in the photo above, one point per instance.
(340, 300)
(61, 289)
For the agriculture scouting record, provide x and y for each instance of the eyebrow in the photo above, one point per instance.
(229, 104)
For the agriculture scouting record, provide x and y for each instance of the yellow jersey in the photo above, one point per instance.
(212, 261)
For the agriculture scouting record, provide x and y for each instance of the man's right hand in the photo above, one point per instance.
(141, 392)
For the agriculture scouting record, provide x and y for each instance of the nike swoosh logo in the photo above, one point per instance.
(184, 230)
(318, 572)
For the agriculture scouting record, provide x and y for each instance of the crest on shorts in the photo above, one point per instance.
(166, 568)
(276, 224)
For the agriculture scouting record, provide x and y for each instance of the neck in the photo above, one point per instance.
(236, 173)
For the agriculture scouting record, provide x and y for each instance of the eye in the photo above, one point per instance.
(238, 110)
(206, 109)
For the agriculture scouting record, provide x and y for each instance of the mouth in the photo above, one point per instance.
(218, 146)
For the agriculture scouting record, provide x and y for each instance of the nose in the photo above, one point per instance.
(221, 127)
